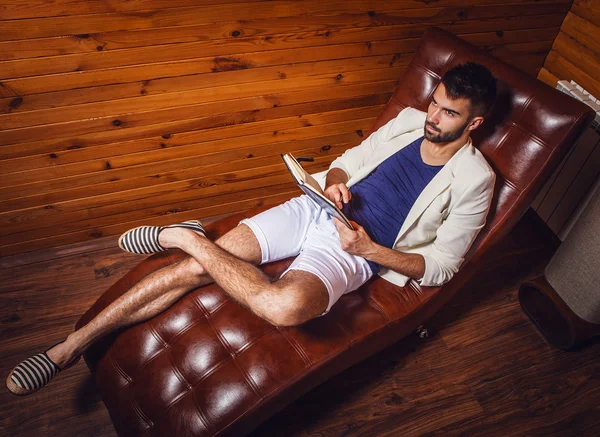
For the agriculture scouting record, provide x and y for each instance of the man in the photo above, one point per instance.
(417, 186)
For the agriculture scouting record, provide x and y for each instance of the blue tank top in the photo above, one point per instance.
(381, 201)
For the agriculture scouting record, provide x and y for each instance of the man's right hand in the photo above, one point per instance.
(337, 193)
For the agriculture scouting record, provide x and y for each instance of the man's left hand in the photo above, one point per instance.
(355, 242)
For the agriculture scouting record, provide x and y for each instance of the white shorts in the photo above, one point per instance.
(300, 228)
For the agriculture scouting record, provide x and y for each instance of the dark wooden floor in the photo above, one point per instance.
(484, 371)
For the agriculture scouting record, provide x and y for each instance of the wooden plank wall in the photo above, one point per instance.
(575, 54)
(115, 114)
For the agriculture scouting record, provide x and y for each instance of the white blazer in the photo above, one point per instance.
(448, 214)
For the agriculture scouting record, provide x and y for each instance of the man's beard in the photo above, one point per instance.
(443, 137)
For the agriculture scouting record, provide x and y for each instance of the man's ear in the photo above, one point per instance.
(475, 123)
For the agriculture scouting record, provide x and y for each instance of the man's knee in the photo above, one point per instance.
(292, 305)
(288, 316)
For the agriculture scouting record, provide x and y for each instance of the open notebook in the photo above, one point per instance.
(311, 188)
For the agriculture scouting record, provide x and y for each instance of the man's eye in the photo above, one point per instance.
(451, 114)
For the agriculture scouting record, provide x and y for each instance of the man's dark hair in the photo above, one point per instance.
(474, 82)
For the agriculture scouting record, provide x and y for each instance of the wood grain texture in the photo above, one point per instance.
(484, 371)
(589, 9)
(118, 113)
(15, 9)
(411, 20)
(575, 54)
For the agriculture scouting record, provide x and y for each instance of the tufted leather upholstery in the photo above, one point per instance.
(207, 366)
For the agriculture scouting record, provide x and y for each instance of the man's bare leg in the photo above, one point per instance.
(295, 298)
(153, 294)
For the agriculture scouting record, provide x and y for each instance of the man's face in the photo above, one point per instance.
(447, 119)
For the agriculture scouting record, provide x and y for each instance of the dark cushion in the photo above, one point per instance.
(208, 366)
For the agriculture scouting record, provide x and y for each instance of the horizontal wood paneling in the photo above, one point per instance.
(575, 54)
(148, 74)
(165, 52)
(115, 114)
(274, 26)
(587, 9)
(200, 13)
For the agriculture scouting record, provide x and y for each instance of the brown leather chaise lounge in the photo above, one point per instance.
(207, 366)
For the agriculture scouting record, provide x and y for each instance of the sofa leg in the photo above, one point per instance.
(422, 332)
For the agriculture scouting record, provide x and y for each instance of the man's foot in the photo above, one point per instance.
(36, 372)
(144, 239)
(178, 237)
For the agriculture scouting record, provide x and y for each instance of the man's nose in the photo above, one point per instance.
(435, 117)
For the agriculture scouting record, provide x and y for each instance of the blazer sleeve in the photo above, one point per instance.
(458, 232)
(356, 157)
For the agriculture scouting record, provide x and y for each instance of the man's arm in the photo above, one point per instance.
(359, 243)
(407, 264)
